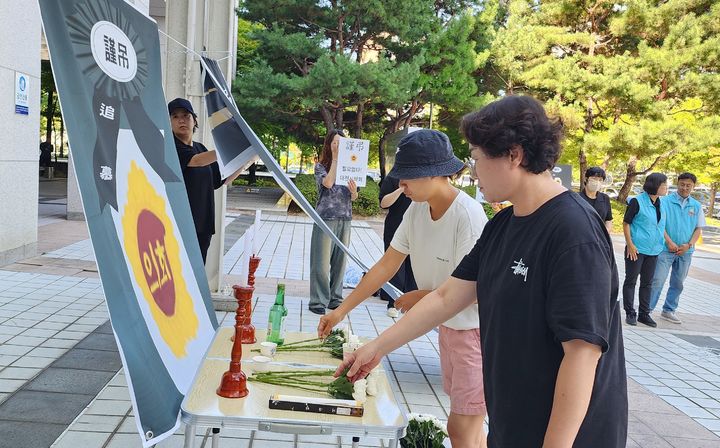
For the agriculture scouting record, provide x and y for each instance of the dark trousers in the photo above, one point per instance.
(403, 278)
(204, 241)
(644, 266)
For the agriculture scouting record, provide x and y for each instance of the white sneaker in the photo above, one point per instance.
(392, 312)
(670, 317)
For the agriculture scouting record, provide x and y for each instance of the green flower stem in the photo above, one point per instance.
(300, 342)
(277, 383)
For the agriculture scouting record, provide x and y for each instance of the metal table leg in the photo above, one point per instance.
(356, 442)
(392, 443)
(189, 436)
(215, 443)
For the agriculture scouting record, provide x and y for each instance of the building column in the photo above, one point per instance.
(19, 157)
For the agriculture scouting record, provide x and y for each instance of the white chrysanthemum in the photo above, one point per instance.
(372, 384)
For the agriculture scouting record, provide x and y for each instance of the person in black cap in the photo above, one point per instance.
(553, 356)
(437, 231)
(200, 171)
(594, 178)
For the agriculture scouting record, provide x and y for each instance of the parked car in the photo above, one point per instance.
(374, 175)
(612, 192)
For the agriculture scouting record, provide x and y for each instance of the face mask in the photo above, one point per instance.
(593, 185)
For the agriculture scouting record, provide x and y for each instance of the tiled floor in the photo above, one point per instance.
(682, 374)
(41, 317)
(414, 376)
(286, 245)
(673, 388)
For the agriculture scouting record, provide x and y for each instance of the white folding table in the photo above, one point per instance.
(203, 408)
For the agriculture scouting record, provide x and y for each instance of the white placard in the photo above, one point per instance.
(22, 87)
(352, 161)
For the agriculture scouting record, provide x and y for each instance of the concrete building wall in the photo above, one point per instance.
(19, 159)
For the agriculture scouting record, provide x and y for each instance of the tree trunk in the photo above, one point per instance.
(327, 118)
(711, 206)
(339, 118)
(582, 162)
(62, 135)
(381, 157)
(359, 120)
(252, 177)
(49, 115)
(630, 176)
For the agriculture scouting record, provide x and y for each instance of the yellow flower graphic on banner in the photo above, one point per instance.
(154, 255)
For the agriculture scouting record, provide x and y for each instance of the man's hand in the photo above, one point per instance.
(328, 322)
(682, 249)
(360, 362)
(409, 299)
(632, 252)
(672, 247)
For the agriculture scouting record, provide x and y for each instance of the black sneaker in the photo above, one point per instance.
(631, 319)
(647, 320)
(318, 310)
(334, 305)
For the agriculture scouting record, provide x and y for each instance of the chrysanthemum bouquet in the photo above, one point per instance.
(332, 344)
(322, 381)
(424, 431)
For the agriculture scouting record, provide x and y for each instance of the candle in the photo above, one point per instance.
(256, 233)
(245, 258)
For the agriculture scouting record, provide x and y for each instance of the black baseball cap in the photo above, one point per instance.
(180, 103)
(425, 153)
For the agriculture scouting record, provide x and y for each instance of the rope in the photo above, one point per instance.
(190, 50)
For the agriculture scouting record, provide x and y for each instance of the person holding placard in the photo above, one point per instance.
(334, 205)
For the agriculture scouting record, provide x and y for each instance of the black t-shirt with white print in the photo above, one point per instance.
(544, 279)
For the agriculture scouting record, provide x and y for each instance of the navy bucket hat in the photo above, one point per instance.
(425, 153)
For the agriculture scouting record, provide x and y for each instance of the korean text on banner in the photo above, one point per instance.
(105, 57)
(352, 161)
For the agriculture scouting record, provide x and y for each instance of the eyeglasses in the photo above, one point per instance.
(470, 164)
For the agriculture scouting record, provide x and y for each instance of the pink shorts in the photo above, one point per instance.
(461, 363)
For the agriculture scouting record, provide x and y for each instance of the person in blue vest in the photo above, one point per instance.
(685, 220)
(644, 228)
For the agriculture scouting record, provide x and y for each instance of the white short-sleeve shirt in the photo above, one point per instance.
(436, 247)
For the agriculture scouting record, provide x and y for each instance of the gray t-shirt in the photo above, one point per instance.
(335, 202)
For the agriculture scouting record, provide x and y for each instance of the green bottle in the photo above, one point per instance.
(276, 319)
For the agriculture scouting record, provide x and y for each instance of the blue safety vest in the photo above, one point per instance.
(682, 219)
(647, 233)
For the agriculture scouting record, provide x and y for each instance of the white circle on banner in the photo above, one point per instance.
(113, 51)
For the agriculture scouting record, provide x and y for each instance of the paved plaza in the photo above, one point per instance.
(61, 382)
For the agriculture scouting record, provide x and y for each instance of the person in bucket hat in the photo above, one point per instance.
(437, 231)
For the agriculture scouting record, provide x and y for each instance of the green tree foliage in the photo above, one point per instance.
(636, 82)
(369, 66)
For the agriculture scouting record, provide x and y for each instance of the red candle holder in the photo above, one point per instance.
(244, 313)
(234, 381)
(254, 263)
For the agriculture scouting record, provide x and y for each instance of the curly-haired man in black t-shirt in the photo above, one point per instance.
(554, 365)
